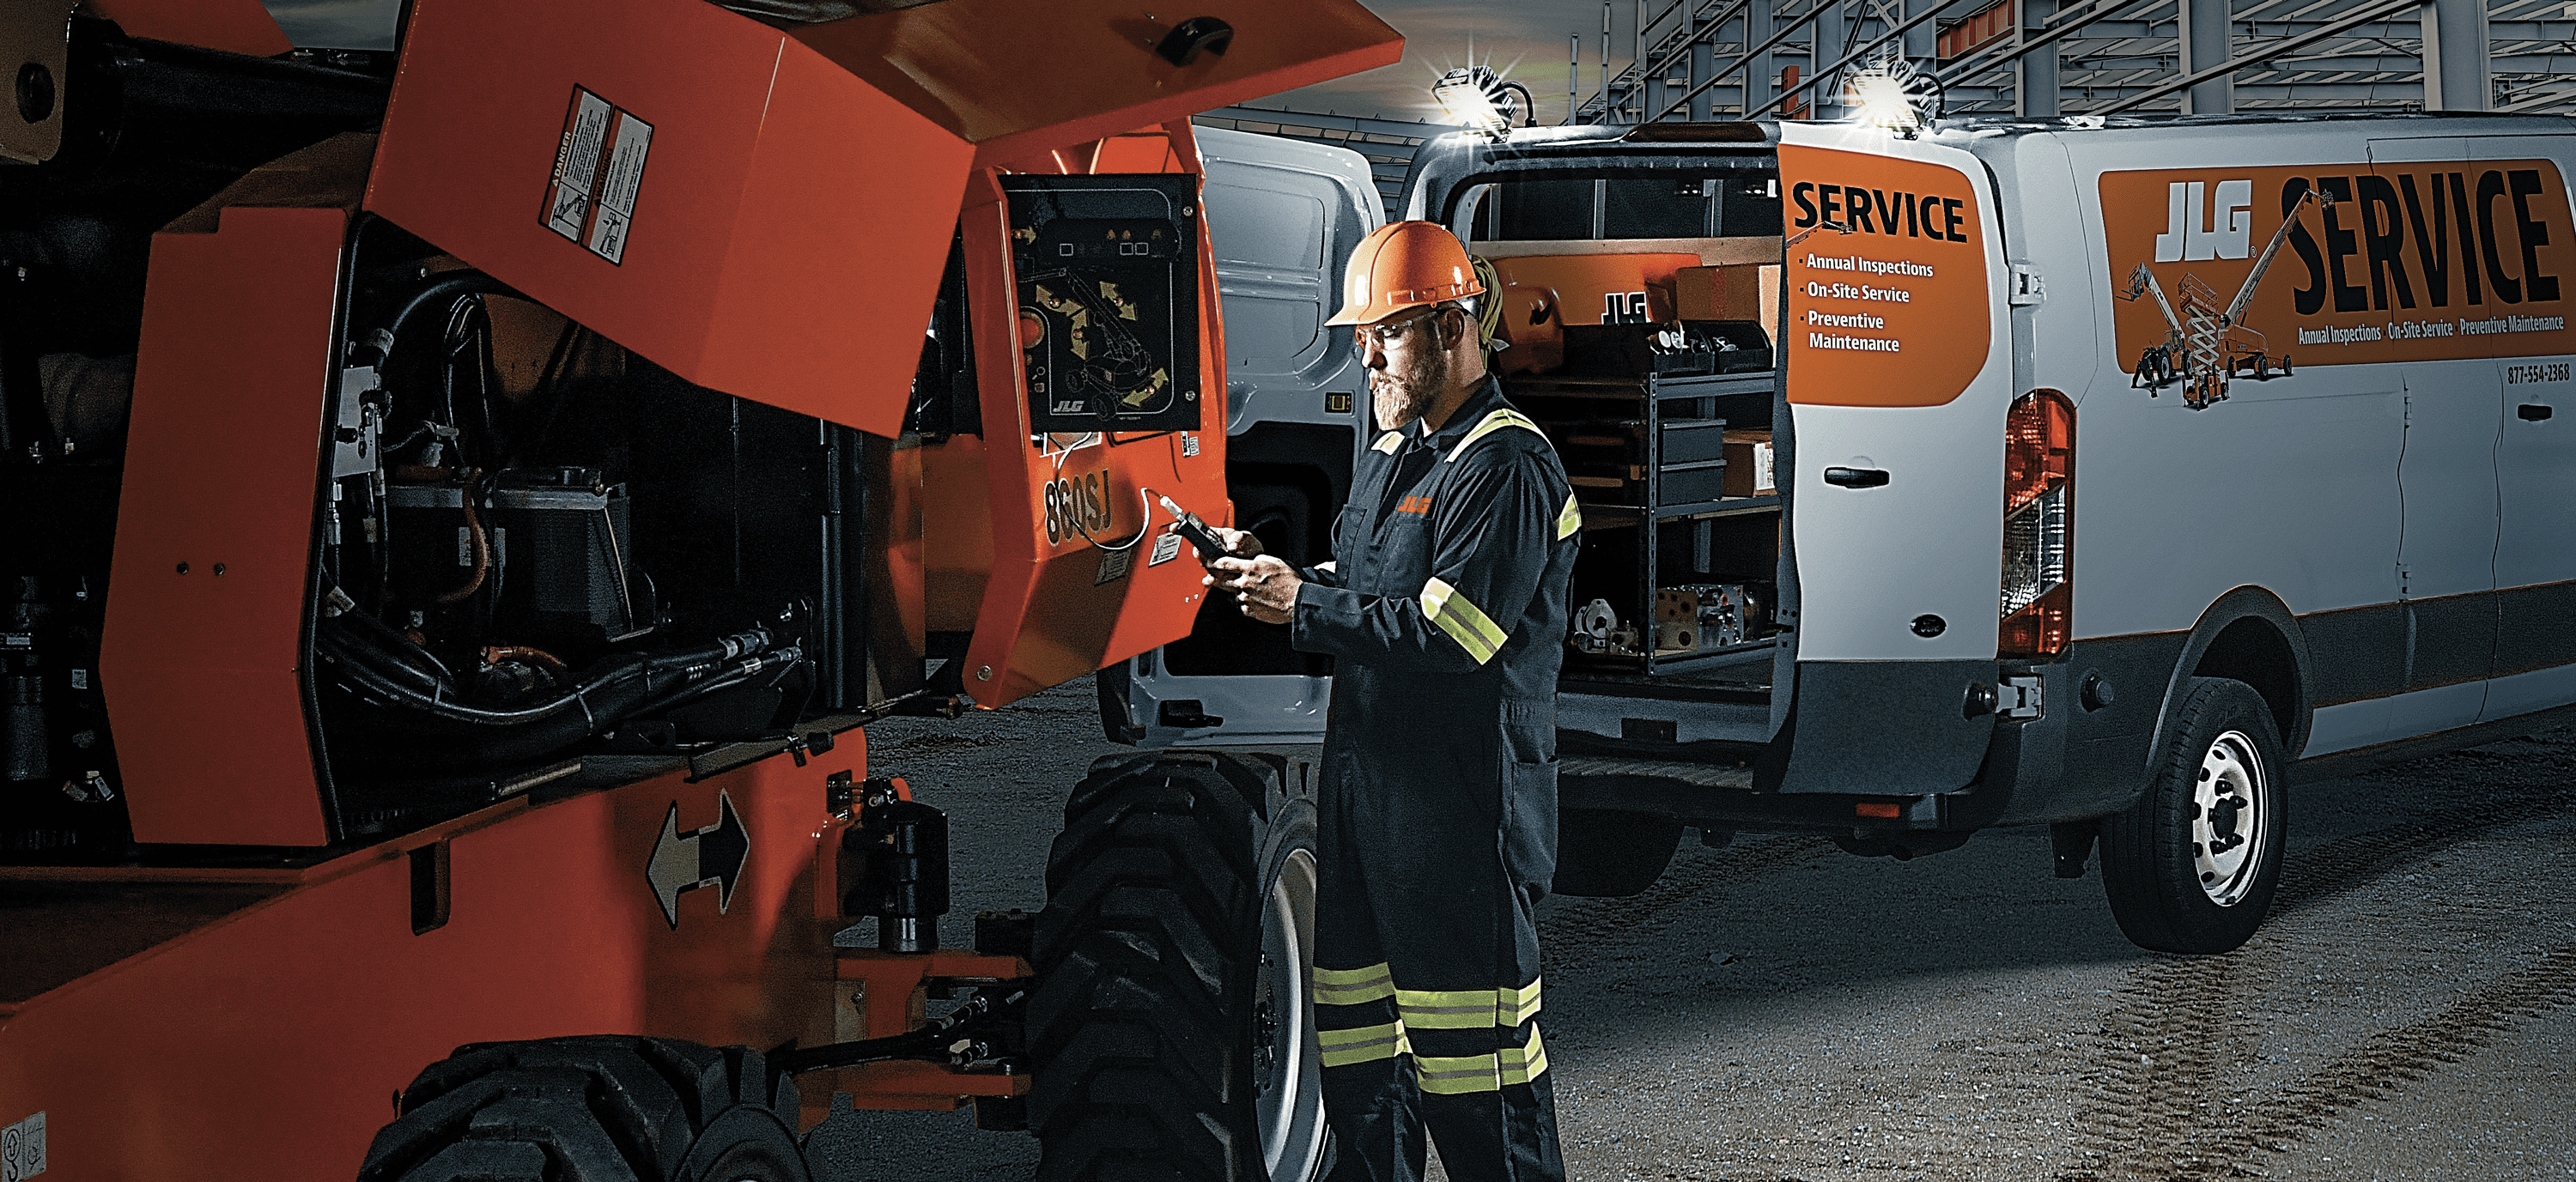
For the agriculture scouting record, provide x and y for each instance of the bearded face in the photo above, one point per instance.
(1416, 370)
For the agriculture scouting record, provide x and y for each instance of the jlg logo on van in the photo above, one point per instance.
(2332, 264)
(1077, 506)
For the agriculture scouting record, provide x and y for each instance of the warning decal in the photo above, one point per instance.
(22, 1149)
(599, 167)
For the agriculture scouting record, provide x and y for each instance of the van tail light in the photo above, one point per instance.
(2039, 526)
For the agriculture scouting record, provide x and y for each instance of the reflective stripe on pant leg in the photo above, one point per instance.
(1350, 987)
(1363, 1044)
(1467, 1074)
(1468, 1009)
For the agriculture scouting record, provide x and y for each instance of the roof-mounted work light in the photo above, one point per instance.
(1479, 102)
(1880, 98)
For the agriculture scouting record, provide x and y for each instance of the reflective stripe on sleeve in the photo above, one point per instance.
(1462, 620)
(1364, 1044)
(1468, 1074)
(1389, 442)
(1496, 421)
(1570, 520)
(1350, 987)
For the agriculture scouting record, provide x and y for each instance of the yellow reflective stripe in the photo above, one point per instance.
(1569, 521)
(1462, 620)
(1350, 987)
(1496, 421)
(1389, 442)
(1364, 1044)
(1458, 1010)
(1468, 1074)
(1465, 1009)
(1523, 1064)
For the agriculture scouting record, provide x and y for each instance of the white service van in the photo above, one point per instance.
(2102, 473)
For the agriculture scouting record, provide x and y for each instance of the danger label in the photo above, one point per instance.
(599, 169)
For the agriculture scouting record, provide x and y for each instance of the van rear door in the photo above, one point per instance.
(2535, 454)
(1899, 376)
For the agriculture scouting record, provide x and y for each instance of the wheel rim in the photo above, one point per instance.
(2230, 820)
(1287, 1069)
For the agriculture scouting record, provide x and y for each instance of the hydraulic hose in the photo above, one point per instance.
(603, 696)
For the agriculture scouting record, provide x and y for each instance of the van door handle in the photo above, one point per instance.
(2532, 412)
(1855, 477)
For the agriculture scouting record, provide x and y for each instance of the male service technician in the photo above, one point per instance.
(1445, 612)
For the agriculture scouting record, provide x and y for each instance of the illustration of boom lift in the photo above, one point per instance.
(2207, 345)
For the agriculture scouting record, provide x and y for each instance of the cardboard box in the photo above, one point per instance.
(1743, 291)
(1748, 464)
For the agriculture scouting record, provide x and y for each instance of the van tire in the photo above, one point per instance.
(606, 1107)
(2217, 782)
(1172, 1032)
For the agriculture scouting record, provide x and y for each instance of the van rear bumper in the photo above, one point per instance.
(1871, 733)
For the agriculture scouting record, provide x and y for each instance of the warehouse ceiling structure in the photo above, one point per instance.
(1701, 59)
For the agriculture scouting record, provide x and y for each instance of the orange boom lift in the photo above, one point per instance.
(462, 505)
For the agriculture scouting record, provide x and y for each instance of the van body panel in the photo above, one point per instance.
(2535, 457)
(1282, 215)
(1884, 727)
(1908, 570)
(2055, 344)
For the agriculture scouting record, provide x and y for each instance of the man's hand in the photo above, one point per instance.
(1238, 543)
(1264, 586)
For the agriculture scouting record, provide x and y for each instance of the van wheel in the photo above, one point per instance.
(1172, 1031)
(2192, 867)
(603, 1107)
(1605, 854)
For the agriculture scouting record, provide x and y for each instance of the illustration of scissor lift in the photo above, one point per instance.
(2207, 345)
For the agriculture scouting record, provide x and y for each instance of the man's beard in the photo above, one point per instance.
(1402, 395)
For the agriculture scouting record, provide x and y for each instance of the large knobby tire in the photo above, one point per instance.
(601, 1108)
(2192, 867)
(1172, 1032)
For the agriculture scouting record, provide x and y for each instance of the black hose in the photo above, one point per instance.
(368, 670)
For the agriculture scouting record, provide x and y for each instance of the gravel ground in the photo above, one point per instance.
(1780, 1010)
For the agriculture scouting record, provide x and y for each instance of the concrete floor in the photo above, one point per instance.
(1780, 1010)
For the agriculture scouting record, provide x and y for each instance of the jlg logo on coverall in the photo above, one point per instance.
(1887, 302)
(2397, 262)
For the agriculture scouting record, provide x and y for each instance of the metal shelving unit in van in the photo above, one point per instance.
(1645, 451)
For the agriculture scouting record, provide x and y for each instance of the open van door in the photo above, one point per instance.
(1896, 350)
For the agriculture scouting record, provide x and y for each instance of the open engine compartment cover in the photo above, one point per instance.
(767, 213)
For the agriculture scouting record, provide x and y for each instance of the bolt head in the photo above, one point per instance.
(983, 673)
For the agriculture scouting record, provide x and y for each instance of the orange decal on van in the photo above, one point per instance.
(1887, 301)
(2228, 274)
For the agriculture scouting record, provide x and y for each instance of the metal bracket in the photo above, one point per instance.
(2029, 287)
(2020, 698)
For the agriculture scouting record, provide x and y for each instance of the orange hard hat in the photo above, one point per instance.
(1404, 265)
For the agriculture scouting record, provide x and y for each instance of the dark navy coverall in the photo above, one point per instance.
(1445, 611)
